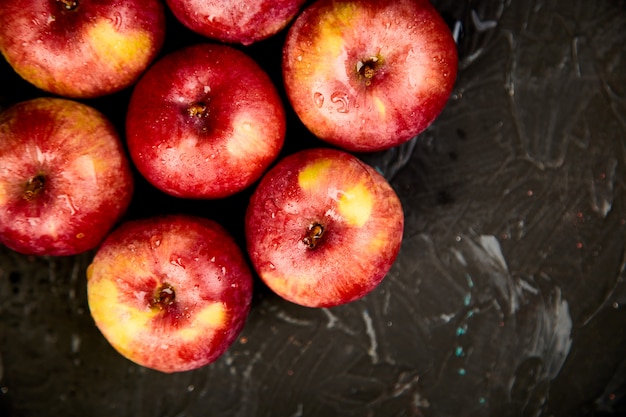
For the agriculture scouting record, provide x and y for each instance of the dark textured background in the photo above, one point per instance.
(508, 297)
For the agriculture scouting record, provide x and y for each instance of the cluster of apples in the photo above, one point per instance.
(172, 292)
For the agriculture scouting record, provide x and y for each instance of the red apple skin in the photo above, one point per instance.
(368, 75)
(94, 48)
(204, 122)
(170, 293)
(64, 177)
(232, 21)
(360, 214)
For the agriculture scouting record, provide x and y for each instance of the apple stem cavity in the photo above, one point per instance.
(197, 110)
(34, 187)
(163, 297)
(367, 68)
(69, 4)
(313, 236)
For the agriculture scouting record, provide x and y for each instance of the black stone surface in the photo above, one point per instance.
(508, 297)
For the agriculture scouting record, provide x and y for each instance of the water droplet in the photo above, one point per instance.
(117, 20)
(342, 100)
(176, 261)
(69, 202)
(155, 241)
(318, 99)
(131, 247)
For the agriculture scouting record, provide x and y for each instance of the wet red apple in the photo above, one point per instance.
(243, 22)
(81, 48)
(64, 177)
(368, 75)
(323, 228)
(204, 122)
(170, 293)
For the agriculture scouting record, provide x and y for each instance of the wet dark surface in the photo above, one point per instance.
(508, 297)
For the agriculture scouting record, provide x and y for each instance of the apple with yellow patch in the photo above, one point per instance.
(204, 122)
(65, 179)
(81, 48)
(170, 293)
(323, 228)
(368, 75)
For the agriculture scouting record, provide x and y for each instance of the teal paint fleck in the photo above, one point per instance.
(461, 330)
(470, 282)
(467, 300)
(482, 400)
(462, 371)
(458, 351)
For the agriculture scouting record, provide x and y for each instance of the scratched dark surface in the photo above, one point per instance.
(508, 297)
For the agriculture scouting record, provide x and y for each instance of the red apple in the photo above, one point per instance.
(81, 48)
(204, 122)
(169, 293)
(243, 22)
(323, 228)
(367, 75)
(64, 177)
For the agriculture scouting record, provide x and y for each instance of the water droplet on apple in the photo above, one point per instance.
(69, 203)
(117, 20)
(342, 100)
(271, 266)
(155, 242)
(131, 247)
(177, 261)
(318, 98)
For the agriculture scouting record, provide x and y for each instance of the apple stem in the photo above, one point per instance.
(313, 236)
(34, 187)
(163, 297)
(69, 4)
(197, 110)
